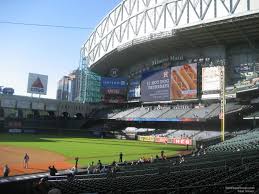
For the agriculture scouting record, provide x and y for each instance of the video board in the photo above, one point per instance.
(155, 85)
(211, 78)
(184, 82)
(134, 89)
(113, 89)
(211, 82)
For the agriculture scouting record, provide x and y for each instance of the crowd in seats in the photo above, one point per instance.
(213, 169)
(210, 169)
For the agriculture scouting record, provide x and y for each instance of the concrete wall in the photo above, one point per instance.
(10, 104)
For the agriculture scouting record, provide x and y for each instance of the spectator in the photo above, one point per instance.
(54, 191)
(76, 159)
(72, 173)
(151, 159)
(163, 157)
(113, 163)
(74, 170)
(162, 154)
(103, 170)
(6, 171)
(52, 170)
(90, 168)
(141, 160)
(41, 186)
(100, 165)
(26, 161)
(121, 155)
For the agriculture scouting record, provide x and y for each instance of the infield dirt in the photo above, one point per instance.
(39, 161)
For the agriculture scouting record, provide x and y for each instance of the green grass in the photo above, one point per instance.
(88, 149)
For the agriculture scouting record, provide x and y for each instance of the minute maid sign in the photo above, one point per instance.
(37, 84)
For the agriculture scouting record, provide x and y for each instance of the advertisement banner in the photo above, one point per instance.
(181, 141)
(155, 85)
(37, 84)
(178, 141)
(114, 100)
(184, 82)
(141, 138)
(210, 96)
(166, 119)
(134, 89)
(149, 138)
(108, 82)
(114, 91)
(211, 78)
(161, 140)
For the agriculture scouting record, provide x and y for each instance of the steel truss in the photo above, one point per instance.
(135, 21)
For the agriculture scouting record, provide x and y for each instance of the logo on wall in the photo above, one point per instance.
(166, 74)
(114, 72)
(37, 83)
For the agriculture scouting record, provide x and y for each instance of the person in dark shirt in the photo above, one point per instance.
(6, 171)
(52, 170)
(100, 165)
(121, 155)
(162, 154)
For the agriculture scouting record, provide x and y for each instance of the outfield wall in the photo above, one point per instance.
(166, 140)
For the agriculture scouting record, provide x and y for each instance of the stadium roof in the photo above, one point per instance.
(138, 29)
(243, 29)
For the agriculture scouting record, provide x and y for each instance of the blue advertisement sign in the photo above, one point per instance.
(134, 89)
(155, 85)
(108, 82)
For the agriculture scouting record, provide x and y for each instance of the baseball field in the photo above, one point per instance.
(45, 150)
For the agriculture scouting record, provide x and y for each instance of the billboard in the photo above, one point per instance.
(108, 82)
(113, 89)
(211, 78)
(155, 85)
(184, 82)
(179, 141)
(211, 82)
(134, 89)
(37, 84)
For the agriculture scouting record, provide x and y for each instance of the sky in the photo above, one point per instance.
(45, 50)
